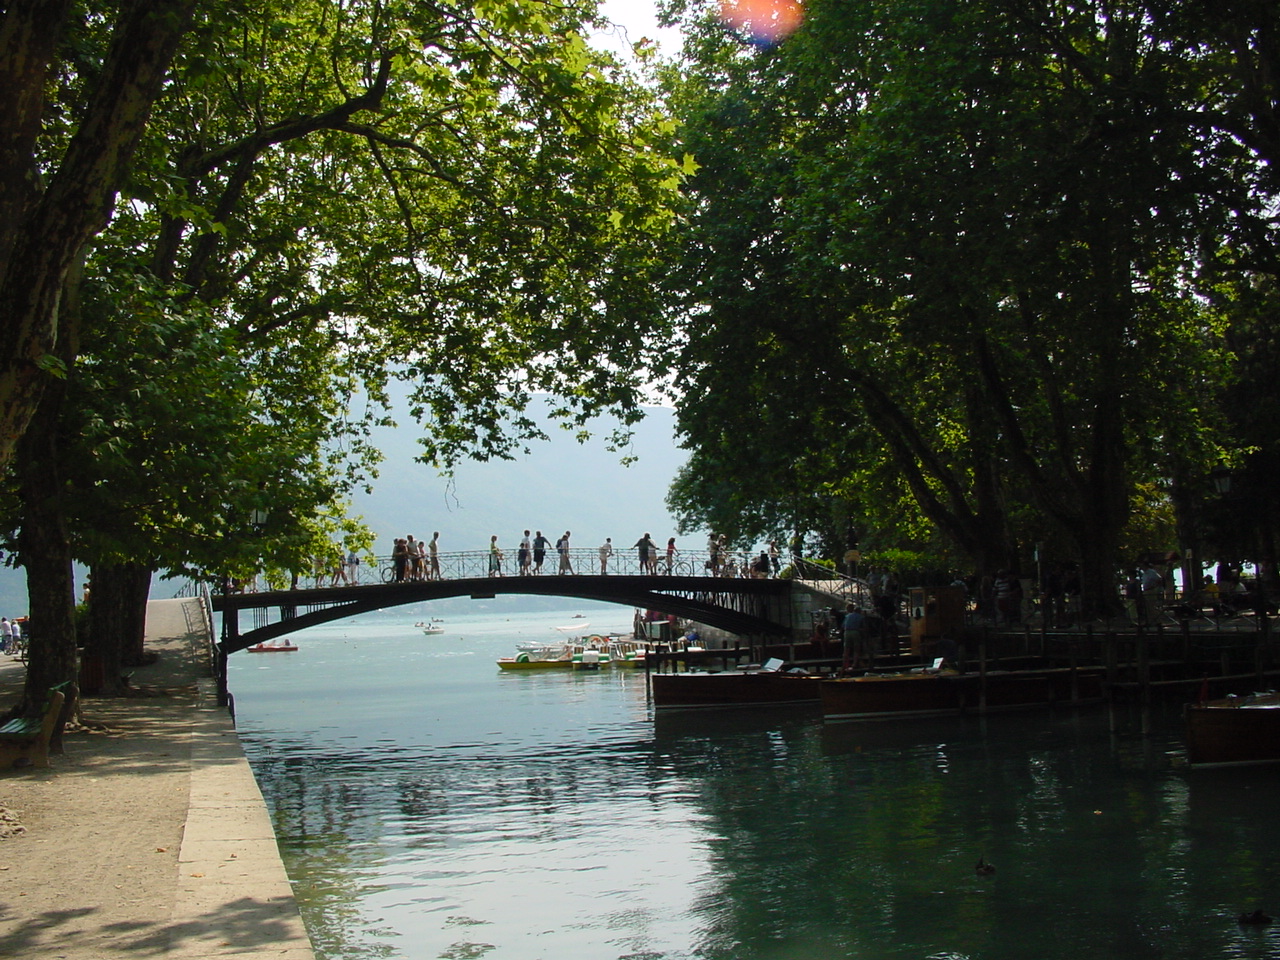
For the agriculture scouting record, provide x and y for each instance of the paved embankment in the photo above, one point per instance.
(149, 836)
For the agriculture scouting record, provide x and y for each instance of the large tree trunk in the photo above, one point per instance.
(117, 624)
(1099, 587)
(29, 35)
(42, 233)
(45, 551)
(137, 591)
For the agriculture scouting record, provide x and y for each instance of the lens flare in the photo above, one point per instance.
(763, 22)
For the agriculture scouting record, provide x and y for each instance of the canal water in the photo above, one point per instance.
(430, 806)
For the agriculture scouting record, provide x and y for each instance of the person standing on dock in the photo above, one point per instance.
(540, 544)
(851, 631)
(1152, 593)
(1002, 594)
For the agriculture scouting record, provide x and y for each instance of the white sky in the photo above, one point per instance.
(635, 19)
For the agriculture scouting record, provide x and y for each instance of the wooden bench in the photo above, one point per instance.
(24, 741)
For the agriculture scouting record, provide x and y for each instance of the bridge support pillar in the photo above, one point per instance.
(230, 633)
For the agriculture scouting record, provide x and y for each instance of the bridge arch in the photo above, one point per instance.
(746, 607)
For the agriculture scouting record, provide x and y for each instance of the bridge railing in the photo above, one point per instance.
(457, 565)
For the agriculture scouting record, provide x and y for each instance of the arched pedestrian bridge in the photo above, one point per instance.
(753, 608)
(764, 608)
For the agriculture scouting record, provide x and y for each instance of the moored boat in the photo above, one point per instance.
(932, 693)
(548, 656)
(733, 688)
(881, 696)
(1234, 730)
(589, 654)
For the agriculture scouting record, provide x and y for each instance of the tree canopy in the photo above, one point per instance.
(327, 194)
(971, 243)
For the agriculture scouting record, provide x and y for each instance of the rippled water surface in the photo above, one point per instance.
(430, 806)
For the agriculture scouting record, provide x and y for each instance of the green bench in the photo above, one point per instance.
(24, 741)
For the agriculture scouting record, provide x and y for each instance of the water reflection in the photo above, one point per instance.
(559, 819)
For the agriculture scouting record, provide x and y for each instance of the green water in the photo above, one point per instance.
(430, 806)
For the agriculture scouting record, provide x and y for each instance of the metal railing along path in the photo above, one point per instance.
(461, 565)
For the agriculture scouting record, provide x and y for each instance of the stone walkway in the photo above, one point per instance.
(149, 837)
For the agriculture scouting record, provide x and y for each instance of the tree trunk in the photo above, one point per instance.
(45, 551)
(138, 591)
(49, 230)
(1099, 590)
(30, 31)
(117, 623)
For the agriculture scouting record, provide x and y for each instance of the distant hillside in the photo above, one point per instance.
(561, 485)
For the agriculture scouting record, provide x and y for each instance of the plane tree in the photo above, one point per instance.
(61, 165)
(980, 245)
(465, 195)
(178, 461)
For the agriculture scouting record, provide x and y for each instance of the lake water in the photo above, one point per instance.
(429, 805)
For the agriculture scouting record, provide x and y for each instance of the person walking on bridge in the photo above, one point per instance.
(647, 552)
(495, 557)
(523, 555)
(400, 558)
(416, 556)
(606, 551)
(562, 548)
(540, 544)
(433, 548)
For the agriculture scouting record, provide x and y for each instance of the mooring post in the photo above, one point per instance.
(1144, 679)
(1260, 648)
(982, 671)
(1075, 677)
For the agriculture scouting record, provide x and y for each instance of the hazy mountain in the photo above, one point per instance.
(560, 485)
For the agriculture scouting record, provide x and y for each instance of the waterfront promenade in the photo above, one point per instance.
(149, 837)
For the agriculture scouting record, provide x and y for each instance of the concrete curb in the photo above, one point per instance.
(233, 895)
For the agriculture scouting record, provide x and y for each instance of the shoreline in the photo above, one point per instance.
(150, 836)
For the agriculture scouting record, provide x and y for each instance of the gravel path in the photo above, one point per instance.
(148, 837)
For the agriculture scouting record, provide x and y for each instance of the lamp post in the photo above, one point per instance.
(1221, 478)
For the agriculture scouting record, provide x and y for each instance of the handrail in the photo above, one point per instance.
(842, 585)
(457, 565)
